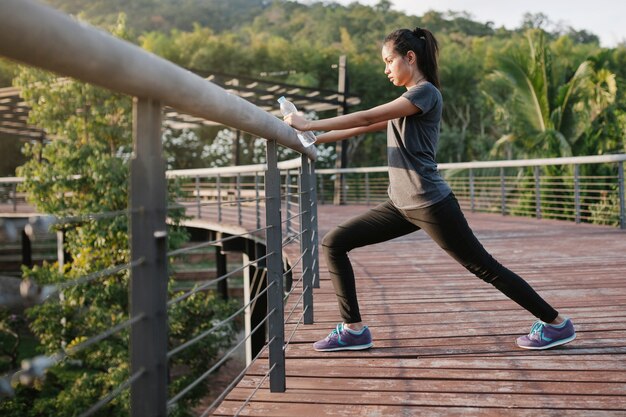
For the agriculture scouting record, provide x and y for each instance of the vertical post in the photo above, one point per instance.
(577, 193)
(537, 173)
(321, 189)
(219, 198)
(341, 147)
(367, 188)
(306, 238)
(315, 243)
(148, 241)
(257, 200)
(502, 192)
(287, 205)
(27, 250)
(253, 283)
(620, 184)
(238, 190)
(221, 267)
(275, 307)
(471, 187)
(199, 206)
(14, 197)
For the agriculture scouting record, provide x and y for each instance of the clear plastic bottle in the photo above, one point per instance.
(286, 108)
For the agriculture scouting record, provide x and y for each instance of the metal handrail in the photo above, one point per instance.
(40, 36)
(575, 160)
(496, 191)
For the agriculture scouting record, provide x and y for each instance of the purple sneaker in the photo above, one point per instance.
(545, 336)
(342, 338)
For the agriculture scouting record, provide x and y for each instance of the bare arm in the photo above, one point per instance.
(400, 107)
(337, 135)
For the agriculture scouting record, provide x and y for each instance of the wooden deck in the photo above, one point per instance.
(445, 341)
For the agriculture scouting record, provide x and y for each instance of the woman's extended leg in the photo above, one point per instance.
(446, 225)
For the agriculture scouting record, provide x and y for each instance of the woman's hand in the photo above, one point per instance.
(297, 121)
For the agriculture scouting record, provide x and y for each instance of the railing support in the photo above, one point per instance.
(577, 193)
(221, 268)
(275, 309)
(306, 238)
(27, 249)
(219, 198)
(238, 191)
(14, 189)
(257, 202)
(472, 190)
(148, 241)
(367, 188)
(622, 206)
(254, 281)
(198, 204)
(537, 172)
(502, 192)
(287, 204)
(315, 243)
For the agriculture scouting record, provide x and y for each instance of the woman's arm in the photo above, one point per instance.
(400, 107)
(337, 135)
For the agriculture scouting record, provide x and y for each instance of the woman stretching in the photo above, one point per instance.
(419, 198)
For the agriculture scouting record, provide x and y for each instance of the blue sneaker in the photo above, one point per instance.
(342, 338)
(545, 336)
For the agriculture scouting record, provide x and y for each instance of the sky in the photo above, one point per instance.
(604, 18)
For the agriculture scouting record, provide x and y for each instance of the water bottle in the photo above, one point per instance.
(286, 108)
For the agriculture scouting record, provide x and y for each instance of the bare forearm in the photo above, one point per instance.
(337, 135)
(344, 122)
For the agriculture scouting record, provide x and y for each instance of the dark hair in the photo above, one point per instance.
(423, 43)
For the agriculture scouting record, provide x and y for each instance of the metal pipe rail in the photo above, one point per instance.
(543, 188)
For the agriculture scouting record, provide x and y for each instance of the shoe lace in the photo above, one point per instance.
(336, 331)
(536, 330)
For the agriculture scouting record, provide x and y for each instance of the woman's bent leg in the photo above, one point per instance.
(379, 224)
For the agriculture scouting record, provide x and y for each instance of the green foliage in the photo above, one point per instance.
(543, 116)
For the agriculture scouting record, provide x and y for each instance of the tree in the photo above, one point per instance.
(543, 117)
(83, 173)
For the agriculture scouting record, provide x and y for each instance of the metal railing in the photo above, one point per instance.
(237, 198)
(588, 189)
(39, 36)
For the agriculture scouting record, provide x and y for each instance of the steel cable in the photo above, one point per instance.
(218, 325)
(189, 387)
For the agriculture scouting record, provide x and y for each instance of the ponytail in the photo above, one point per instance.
(423, 43)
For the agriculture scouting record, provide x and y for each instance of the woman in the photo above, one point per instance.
(419, 198)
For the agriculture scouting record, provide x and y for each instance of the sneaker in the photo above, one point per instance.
(545, 336)
(342, 338)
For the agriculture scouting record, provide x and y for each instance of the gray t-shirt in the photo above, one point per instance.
(414, 181)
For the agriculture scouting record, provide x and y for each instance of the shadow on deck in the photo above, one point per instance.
(445, 341)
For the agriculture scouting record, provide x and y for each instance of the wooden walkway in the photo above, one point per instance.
(445, 341)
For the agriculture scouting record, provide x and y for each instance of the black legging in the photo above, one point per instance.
(445, 224)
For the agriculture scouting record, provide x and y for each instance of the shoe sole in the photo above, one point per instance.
(551, 345)
(359, 347)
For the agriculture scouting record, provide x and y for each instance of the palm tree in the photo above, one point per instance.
(541, 117)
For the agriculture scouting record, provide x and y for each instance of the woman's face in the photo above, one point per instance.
(399, 69)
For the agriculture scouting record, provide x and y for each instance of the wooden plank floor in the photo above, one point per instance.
(445, 341)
